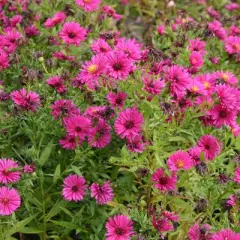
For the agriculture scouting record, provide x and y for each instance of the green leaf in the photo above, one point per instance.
(65, 224)
(237, 144)
(57, 173)
(30, 230)
(45, 153)
(56, 209)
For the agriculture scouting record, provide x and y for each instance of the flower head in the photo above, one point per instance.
(237, 175)
(117, 99)
(57, 82)
(8, 172)
(226, 234)
(88, 5)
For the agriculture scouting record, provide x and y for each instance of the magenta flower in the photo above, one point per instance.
(57, 83)
(161, 30)
(29, 168)
(232, 6)
(100, 46)
(10, 200)
(102, 193)
(110, 12)
(225, 77)
(70, 142)
(163, 182)
(129, 123)
(196, 87)
(31, 31)
(162, 224)
(153, 86)
(57, 18)
(179, 160)
(4, 63)
(119, 227)
(237, 175)
(118, 65)
(210, 145)
(88, 5)
(26, 100)
(136, 144)
(196, 45)
(199, 232)
(117, 99)
(226, 234)
(74, 188)
(196, 59)
(232, 45)
(8, 172)
(72, 33)
(78, 126)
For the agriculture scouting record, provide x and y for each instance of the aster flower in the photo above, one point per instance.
(153, 86)
(232, 6)
(118, 65)
(130, 47)
(13, 36)
(208, 82)
(232, 45)
(72, 33)
(70, 142)
(100, 136)
(161, 30)
(10, 200)
(31, 31)
(4, 63)
(8, 172)
(237, 175)
(29, 168)
(15, 20)
(88, 5)
(64, 108)
(78, 126)
(210, 145)
(162, 224)
(119, 227)
(225, 77)
(163, 182)
(179, 79)
(196, 87)
(74, 188)
(136, 144)
(196, 45)
(104, 112)
(102, 193)
(26, 100)
(179, 160)
(110, 12)
(195, 153)
(57, 83)
(217, 29)
(57, 18)
(129, 123)
(213, 13)
(117, 99)
(199, 232)
(234, 31)
(100, 46)
(196, 59)
(226, 234)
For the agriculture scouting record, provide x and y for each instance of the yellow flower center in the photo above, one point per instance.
(225, 77)
(92, 68)
(195, 89)
(87, 1)
(206, 84)
(179, 163)
(236, 46)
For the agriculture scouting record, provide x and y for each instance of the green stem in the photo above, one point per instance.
(44, 236)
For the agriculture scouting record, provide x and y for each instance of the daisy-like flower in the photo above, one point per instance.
(225, 77)
(119, 227)
(8, 172)
(102, 193)
(162, 224)
(110, 12)
(163, 182)
(74, 188)
(179, 79)
(29, 168)
(153, 86)
(217, 29)
(78, 126)
(117, 99)
(237, 175)
(226, 234)
(118, 65)
(210, 145)
(100, 46)
(232, 45)
(88, 5)
(26, 100)
(179, 160)
(57, 83)
(13, 36)
(234, 31)
(129, 123)
(196, 45)
(196, 87)
(70, 142)
(4, 63)
(208, 82)
(100, 136)
(232, 6)
(161, 30)
(57, 18)
(196, 59)
(72, 33)
(10, 200)
(130, 47)
(31, 31)
(136, 144)
(64, 109)
(199, 232)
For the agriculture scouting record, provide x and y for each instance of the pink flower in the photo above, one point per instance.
(129, 123)
(64, 108)
(196, 87)
(196, 59)
(13, 36)
(117, 99)
(57, 83)
(226, 77)
(136, 144)
(100, 46)
(162, 224)
(72, 33)
(15, 20)
(237, 175)
(26, 100)
(130, 47)
(226, 234)
(170, 215)
(100, 136)
(161, 29)
(111, 12)
(78, 126)
(119, 227)
(31, 31)
(74, 188)
(217, 29)
(195, 153)
(70, 142)
(102, 193)
(179, 79)
(210, 145)
(153, 86)
(196, 45)
(4, 63)
(118, 65)
(179, 160)
(10, 200)
(88, 5)
(163, 182)
(199, 232)
(232, 6)
(213, 13)
(29, 168)
(57, 18)
(234, 31)
(232, 45)
(8, 171)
